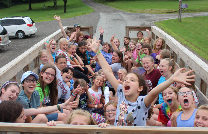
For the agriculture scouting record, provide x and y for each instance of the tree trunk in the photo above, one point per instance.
(30, 4)
(65, 1)
(55, 3)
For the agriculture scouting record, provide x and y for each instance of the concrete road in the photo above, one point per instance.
(113, 22)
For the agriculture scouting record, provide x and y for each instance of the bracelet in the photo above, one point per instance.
(98, 52)
(74, 95)
(59, 108)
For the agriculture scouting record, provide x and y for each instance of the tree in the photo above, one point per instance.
(30, 4)
(65, 2)
(55, 3)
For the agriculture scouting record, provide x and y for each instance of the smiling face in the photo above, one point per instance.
(185, 98)
(164, 68)
(10, 93)
(115, 58)
(139, 46)
(110, 113)
(116, 42)
(146, 51)
(201, 118)
(169, 96)
(48, 76)
(63, 45)
(83, 49)
(61, 63)
(126, 41)
(106, 48)
(140, 35)
(44, 57)
(67, 76)
(132, 45)
(29, 84)
(99, 81)
(72, 49)
(131, 86)
(147, 63)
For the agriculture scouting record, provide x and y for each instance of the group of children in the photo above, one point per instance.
(79, 84)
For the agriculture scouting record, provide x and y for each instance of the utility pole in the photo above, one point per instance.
(179, 10)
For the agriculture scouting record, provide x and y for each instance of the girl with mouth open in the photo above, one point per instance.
(131, 95)
(169, 106)
(185, 118)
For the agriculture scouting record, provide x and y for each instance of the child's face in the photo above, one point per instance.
(64, 46)
(164, 68)
(44, 58)
(53, 46)
(201, 118)
(21, 118)
(126, 41)
(72, 50)
(132, 45)
(115, 58)
(81, 38)
(169, 96)
(146, 51)
(106, 48)
(159, 44)
(61, 63)
(82, 49)
(29, 84)
(48, 76)
(185, 98)
(140, 35)
(67, 76)
(130, 85)
(98, 81)
(116, 42)
(146, 41)
(148, 65)
(110, 113)
(11, 93)
(80, 120)
(139, 46)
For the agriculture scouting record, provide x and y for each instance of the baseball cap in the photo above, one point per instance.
(77, 25)
(28, 73)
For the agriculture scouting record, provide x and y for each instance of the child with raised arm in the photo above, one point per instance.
(129, 100)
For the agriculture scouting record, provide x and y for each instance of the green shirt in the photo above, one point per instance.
(44, 99)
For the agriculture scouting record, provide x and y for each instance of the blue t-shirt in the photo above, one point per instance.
(161, 80)
(137, 110)
(186, 123)
(107, 56)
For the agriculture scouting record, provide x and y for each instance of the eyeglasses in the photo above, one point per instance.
(30, 80)
(52, 75)
(8, 83)
(183, 93)
(112, 110)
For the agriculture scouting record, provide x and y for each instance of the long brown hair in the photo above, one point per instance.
(53, 91)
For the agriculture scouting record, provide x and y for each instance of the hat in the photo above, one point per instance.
(28, 73)
(76, 25)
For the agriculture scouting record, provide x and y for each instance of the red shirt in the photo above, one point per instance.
(152, 78)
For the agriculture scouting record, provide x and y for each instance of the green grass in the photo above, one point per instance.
(191, 32)
(157, 6)
(42, 11)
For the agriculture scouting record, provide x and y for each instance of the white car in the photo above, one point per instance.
(4, 38)
(19, 26)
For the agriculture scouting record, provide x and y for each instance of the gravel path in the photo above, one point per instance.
(113, 21)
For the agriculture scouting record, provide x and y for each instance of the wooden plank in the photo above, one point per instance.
(69, 129)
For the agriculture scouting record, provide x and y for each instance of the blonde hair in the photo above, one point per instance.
(163, 43)
(81, 112)
(62, 40)
(171, 63)
(108, 104)
(41, 52)
(203, 107)
(175, 89)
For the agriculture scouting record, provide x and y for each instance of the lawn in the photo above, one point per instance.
(191, 32)
(156, 6)
(45, 12)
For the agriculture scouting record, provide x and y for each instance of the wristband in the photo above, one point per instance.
(59, 108)
(74, 95)
(98, 52)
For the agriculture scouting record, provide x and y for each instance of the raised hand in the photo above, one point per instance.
(95, 45)
(184, 78)
(101, 30)
(58, 18)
